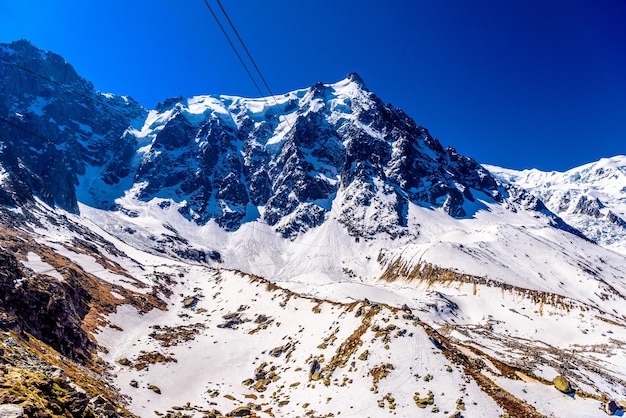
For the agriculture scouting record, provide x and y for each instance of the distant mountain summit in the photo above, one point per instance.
(288, 160)
(591, 197)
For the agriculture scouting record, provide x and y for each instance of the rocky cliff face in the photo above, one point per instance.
(50, 310)
(290, 162)
(53, 125)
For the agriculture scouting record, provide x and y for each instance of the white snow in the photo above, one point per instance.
(4, 175)
(36, 264)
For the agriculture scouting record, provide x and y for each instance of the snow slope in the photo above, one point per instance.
(483, 320)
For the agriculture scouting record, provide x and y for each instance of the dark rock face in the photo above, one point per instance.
(614, 219)
(48, 309)
(52, 125)
(343, 147)
(224, 159)
(588, 206)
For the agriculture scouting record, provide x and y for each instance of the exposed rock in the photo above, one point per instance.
(615, 219)
(124, 362)
(232, 320)
(171, 336)
(48, 309)
(315, 367)
(145, 359)
(424, 402)
(610, 407)
(44, 121)
(242, 411)
(613, 407)
(190, 302)
(588, 206)
(214, 413)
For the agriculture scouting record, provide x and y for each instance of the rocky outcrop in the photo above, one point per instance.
(616, 220)
(54, 126)
(49, 309)
(588, 206)
(37, 382)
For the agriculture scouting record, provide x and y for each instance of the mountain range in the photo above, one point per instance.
(313, 253)
(591, 198)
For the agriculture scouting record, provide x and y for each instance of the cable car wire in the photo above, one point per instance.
(247, 51)
(232, 45)
(242, 61)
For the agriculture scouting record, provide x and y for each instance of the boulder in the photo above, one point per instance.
(611, 407)
(562, 384)
(190, 302)
(315, 366)
(242, 411)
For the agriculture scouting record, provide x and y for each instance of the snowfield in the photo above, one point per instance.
(514, 303)
(591, 197)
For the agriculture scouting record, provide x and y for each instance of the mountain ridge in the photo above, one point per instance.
(233, 160)
(591, 197)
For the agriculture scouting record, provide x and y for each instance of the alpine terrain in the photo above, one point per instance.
(316, 253)
(591, 197)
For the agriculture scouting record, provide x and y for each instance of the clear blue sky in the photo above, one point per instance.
(519, 83)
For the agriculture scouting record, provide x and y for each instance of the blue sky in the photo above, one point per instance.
(519, 84)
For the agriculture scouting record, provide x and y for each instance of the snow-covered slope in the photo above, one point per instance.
(416, 340)
(591, 197)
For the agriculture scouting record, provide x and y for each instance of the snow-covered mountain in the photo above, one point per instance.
(287, 161)
(591, 197)
(283, 257)
(54, 126)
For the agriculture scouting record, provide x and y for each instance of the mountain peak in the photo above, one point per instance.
(232, 161)
(356, 78)
(23, 46)
(377, 285)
